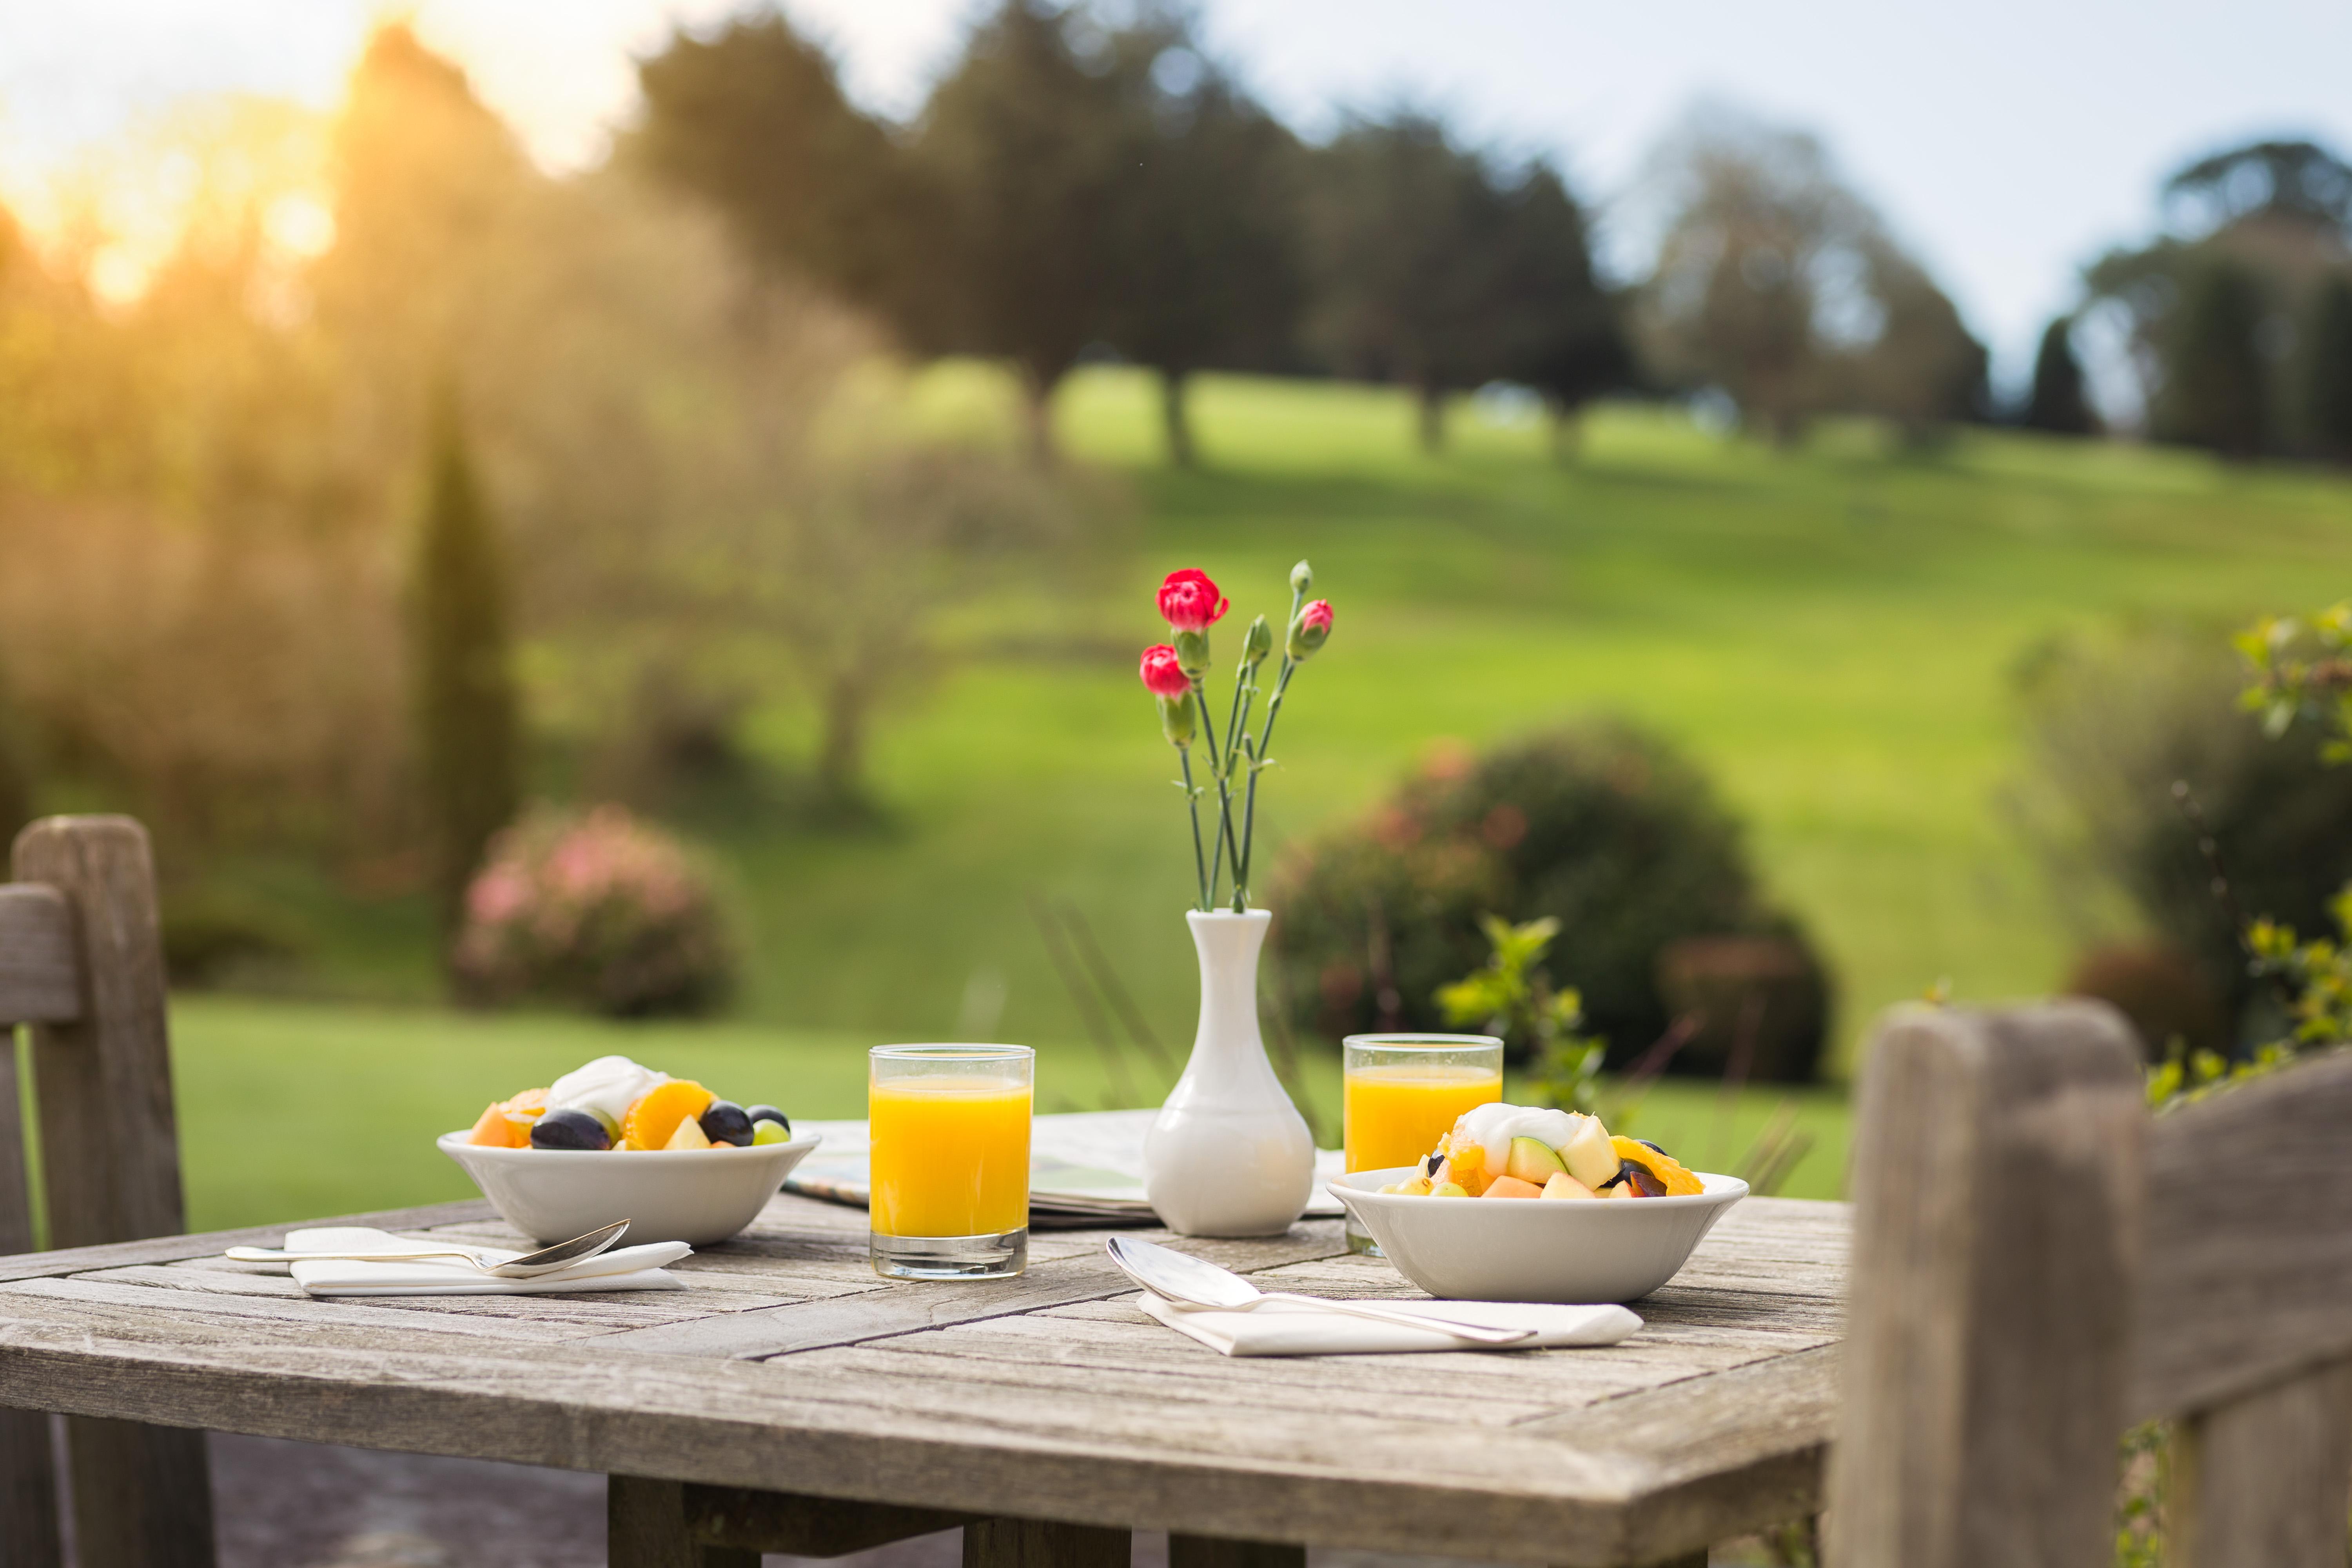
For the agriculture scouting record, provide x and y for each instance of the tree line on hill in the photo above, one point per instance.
(1072, 186)
(2238, 321)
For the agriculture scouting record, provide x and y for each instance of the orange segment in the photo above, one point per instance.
(658, 1112)
(1679, 1182)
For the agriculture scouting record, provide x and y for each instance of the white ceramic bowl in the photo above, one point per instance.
(698, 1196)
(1534, 1249)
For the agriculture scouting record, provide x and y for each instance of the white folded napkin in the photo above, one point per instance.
(1295, 1328)
(622, 1269)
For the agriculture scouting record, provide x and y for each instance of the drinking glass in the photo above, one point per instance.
(1402, 1093)
(950, 1179)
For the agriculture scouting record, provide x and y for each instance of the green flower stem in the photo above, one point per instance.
(1257, 761)
(1192, 805)
(1220, 767)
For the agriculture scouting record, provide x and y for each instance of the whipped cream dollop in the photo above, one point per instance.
(1496, 1125)
(608, 1086)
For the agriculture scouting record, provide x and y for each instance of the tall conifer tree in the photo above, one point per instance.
(467, 713)
(2056, 402)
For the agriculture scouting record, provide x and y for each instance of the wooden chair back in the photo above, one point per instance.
(81, 963)
(2040, 1263)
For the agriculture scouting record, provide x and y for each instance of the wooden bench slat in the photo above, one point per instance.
(2264, 1481)
(2247, 1267)
(40, 981)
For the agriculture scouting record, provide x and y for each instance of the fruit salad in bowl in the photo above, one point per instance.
(613, 1103)
(1611, 1218)
(615, 1139)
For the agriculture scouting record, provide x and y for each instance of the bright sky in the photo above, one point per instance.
(2009, 140)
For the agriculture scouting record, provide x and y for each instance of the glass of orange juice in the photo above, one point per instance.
(950, 1180)
(1400, 1093)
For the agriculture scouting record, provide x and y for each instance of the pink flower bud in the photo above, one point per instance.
(1311, 629)
(1190, 601)
(1162, 676)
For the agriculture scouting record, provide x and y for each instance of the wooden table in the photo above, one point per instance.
(788, 1366)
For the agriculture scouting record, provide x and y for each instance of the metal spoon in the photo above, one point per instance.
(546, 1260)
(1180, 1278)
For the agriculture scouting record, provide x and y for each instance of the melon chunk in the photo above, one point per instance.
(1511, 1187)
(1564, 1185)
(1589, 1156)
(688, 1135)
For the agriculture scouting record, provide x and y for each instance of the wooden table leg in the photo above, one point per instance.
(142, 1495)
(1215, 1552)
(29, 1487)
(644, 1525)
(1033, 1543)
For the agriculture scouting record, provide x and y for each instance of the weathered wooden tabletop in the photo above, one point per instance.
(788, 1364)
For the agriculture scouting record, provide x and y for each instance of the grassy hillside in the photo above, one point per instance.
(1829, 631)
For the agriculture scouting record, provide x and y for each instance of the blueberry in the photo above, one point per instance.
(724, 1121)
(769, 1113)
(569, 1130)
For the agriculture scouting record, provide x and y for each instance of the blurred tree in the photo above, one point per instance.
(2255, 232)
(2216, 387)
(468, 718)
(1921, 368)
(1407, 232)
(1781, 285)
(753, 119)
(2327, 370)
(2056, 402)
(1208, 273)
(1562, 333)
(1027, 140)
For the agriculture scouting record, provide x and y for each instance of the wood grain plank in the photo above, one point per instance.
(2266, 1479)
(385, 1319)
(1035, 1544)
(646, 1527)
(924, 1440)
(2235, 1295)
(911, 1307)
(173, 1248)
(40, 974)
(110, 1143)
(1997, 1160)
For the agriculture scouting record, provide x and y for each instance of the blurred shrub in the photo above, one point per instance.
(2163, 990)
(1757, 1005)
(1604, 828)
(601, 910)
(2111, 727)
(209, 938)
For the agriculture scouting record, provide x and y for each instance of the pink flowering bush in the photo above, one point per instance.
(599, 909)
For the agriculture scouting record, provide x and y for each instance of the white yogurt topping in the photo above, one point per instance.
(1496, 1125)
(609, 1085)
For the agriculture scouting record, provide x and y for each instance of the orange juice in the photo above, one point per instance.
(950, 1155)
(1394, 1115)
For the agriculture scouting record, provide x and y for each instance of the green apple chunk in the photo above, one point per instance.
(1590, 1157)
(1532, 1160)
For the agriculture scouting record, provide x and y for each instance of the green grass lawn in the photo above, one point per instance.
(1829, 630)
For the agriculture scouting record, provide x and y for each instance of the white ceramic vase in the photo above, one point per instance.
(1229, 1154)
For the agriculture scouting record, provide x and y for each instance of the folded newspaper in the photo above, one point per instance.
(1086, 1169)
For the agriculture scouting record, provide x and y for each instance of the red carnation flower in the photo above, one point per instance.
(1162, 676)
(1190, 601)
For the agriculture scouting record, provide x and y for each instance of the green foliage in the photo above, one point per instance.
(2147, 1465)
(2302, 671)
(2114, 729)
(467, 711)
(1510, 996)
(1605, 827)
(2056, 402)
